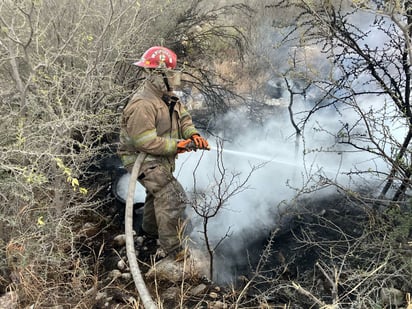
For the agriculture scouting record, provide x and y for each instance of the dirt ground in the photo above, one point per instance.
(317, 241)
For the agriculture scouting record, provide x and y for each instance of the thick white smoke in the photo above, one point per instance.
(286, 169)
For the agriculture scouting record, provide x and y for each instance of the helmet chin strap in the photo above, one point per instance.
(166, 81)
(159, 80)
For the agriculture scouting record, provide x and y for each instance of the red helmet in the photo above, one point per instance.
(158, 57)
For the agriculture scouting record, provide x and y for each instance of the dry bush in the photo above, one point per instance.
(60, 112)
(337, 254)
(65, 74)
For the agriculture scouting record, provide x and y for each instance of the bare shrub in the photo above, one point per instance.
(65, 73)
(207, 203)
(337, 254)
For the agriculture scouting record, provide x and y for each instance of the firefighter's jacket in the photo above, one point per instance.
(148, 125)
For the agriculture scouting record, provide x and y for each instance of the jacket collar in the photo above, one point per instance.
(158, 92)
(149, 87)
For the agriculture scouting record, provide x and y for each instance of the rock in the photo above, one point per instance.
(391, 296)
(89, 230)
(127, 276)
(200, 289)
(160, 253)
(168, 269)
(121, 265)
(9, 300)
(201, 263)
(139, 241)
(119, 240)
(115, 273)
(171, 293)
(218, 305)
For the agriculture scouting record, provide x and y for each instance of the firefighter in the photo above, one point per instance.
(156, 123)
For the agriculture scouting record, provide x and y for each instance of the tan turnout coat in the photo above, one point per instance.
(147, 126)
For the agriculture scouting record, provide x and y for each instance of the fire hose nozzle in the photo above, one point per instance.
(192, 146)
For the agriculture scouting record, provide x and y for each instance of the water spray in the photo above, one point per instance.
(251, 155)
(192, 146)
(265, 158)
(257, 156)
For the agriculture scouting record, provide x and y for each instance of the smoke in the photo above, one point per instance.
(285, 167)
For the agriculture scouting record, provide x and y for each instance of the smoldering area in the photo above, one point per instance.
(287, 181)
(285, 170)
(293, 178)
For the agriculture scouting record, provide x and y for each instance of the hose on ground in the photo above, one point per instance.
(141, 287)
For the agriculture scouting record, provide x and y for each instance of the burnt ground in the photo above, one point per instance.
(343, 247)
(340, 247)
(326, 245)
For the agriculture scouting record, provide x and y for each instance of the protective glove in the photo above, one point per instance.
(183, 146)
(200, 142)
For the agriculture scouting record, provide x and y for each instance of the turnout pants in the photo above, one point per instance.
(165, 204)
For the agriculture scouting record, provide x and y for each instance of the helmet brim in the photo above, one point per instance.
(142, 64)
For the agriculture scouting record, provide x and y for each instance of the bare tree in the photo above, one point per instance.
(362, 69)
(207, 203)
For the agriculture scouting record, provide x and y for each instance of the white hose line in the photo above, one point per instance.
(144, 294)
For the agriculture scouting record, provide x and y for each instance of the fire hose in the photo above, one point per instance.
(144, 294)
(141, 287)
